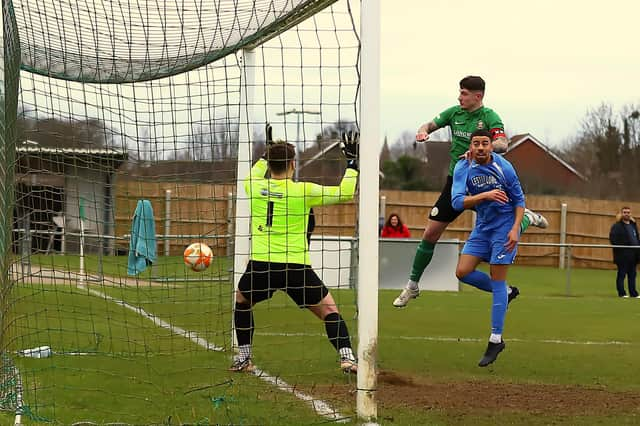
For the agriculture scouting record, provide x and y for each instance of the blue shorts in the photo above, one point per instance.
(489, 246)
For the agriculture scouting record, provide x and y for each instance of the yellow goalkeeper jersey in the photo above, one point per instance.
(280, 212)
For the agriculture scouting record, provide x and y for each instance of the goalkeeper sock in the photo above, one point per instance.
(243, 319)
(478, 279)
(525, 223)
(347, 353)
(337, 331)
(244, 352)
(421, 260)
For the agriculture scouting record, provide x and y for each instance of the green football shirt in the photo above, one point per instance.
(462, 124)
(280, 213)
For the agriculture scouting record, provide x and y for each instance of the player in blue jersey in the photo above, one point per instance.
(489, 184)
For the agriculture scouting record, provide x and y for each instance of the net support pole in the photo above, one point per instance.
(9, 82)
(82, 216)
(242, 216)
(167, 222)
(368, 209)
(229, 238)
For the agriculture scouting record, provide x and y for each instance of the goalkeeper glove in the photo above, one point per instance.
(350, 145)
(269, 134)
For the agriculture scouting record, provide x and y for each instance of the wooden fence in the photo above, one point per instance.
(203, 209)
(182, 211)
(587, 222)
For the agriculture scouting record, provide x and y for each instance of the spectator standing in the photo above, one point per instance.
(625, 233)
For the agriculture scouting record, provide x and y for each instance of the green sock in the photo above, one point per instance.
(423, 256)
(524, 224)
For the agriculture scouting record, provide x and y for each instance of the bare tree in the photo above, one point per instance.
(333, 131)
(607, 151)
(226, 136)
(404, 145)
(65, 133)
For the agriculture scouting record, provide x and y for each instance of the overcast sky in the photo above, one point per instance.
(545, 62)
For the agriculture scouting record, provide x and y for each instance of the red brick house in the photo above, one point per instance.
(540, 169)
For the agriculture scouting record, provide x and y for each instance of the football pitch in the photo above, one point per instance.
(135, 354)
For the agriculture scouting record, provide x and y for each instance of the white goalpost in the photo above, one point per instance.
(242, 224)
(368, 209)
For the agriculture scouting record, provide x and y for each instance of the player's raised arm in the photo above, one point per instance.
(321, 195)
(441, 120)
(498, 135)
(257, 172)
(500, 144)
(422, 135)
(261, 166)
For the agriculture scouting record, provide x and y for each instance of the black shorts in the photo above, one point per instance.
(443, 210)
(261, 279)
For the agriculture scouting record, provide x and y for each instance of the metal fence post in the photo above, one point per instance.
(383, 211)
(563, 234)
(568, 283)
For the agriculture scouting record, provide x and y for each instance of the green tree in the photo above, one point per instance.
(406, 173)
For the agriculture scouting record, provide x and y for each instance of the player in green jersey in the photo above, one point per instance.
(280, 248)
(463, 119)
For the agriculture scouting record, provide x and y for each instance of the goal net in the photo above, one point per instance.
(126, 128)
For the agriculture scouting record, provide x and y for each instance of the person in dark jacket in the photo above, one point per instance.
(625, 233)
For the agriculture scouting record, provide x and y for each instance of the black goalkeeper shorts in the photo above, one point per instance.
(261, 279)
(443, 211)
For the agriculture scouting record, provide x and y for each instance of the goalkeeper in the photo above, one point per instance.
(280, 249)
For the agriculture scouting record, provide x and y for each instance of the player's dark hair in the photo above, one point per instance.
(625, 208)
(481, 132)
(279, 155)
(472, 82)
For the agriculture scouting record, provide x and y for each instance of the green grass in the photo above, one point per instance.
(167, 268)
(140, 373)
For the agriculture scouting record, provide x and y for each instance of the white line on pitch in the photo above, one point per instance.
(191, 335)
(469, 339)
(320, 407)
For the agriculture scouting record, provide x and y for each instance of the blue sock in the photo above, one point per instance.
(499, 308)
(478, 279)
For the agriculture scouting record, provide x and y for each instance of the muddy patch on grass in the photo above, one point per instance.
(421, 393)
